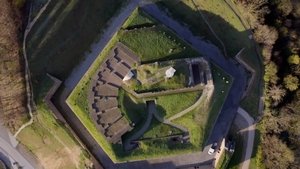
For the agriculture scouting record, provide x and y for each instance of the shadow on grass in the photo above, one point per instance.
(118, 148)
(233, 38)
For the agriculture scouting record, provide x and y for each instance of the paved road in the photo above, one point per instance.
(8, 149)
(213, 54)
(249, 128)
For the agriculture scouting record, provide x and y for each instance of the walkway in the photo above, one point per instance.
(250, 129)
(203, 99)
(166, 121)
(8, 147)
(29, 93)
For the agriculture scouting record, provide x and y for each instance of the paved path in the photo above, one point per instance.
(203, 99)
(166, 121)
(8, 148)
(250, 129)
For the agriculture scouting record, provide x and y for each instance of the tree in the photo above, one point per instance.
(266, 35)
(276, 93)
(285, 7)
(267, 53)
(277, 154)
(254, 11)
(271, 73)
(294, 59)
(291, 82)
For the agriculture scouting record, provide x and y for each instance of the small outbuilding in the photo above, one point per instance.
(128, 76)
(170, 72)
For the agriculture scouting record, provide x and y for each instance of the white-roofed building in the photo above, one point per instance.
(170, 72)
(128, 76)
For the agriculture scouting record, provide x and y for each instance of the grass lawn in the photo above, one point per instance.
(50, 141)
(157, 130)
(170, 105)
(137, 19)
(221, 18)
(256, 161)
(158, 43)
(148, 149)
(134, 110)
(224, 160)
(199, 122)
(152, 76)
(64, 32)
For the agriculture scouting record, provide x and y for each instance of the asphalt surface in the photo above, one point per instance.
(210, 52)
(249, 128)
(8, 150)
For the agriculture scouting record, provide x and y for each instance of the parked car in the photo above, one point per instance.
(232, 147)
(213, 148)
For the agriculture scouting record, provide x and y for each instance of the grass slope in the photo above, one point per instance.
(139, 18)
(157, 130)
(221, 17)
(172, 104)
(50, 141)
(200, 121)
(158, 43)
(64, 32)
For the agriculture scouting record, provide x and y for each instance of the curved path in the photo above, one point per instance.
(250, 129)
(205, 96)
(29, 92)
(8, 147)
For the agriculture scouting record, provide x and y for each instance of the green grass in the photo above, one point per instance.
(156, 72)
(172, 104)
(78, 99)
(153, 44)
(256, 161)
(46, 138)
(139, 18)
(200, 121)
(224, 160)
(157, 130)
(64, 32)
(221, 18)
(134, 110)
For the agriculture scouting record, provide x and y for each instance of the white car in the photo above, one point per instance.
(213, 148)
